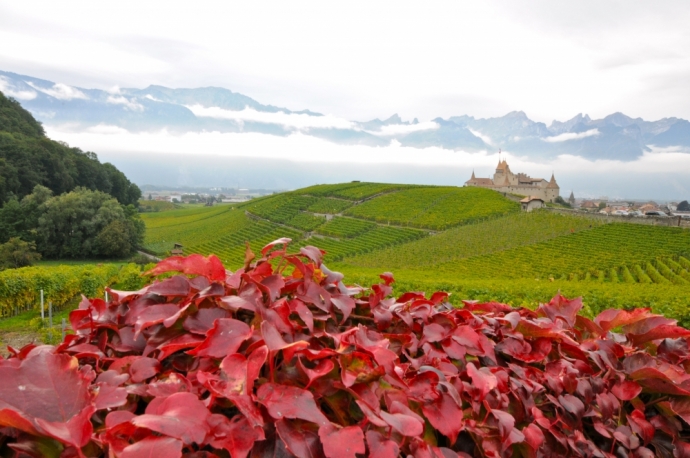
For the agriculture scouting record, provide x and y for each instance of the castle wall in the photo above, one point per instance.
(546, 194)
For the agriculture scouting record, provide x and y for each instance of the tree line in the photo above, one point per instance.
(29, 158)
(58, 201)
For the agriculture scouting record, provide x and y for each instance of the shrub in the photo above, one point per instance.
(282, 358)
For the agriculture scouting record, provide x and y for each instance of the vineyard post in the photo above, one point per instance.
(43, 317)
(106, 296)
(50, 313)
(64, 327)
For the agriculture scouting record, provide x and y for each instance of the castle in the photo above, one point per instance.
(506, 181)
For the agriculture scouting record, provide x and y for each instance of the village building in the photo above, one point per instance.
(531, 203)
(589, 205)
(506, 181)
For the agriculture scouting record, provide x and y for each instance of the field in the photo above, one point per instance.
(473, 242)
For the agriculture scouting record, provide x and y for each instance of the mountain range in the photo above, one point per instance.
(614, 137)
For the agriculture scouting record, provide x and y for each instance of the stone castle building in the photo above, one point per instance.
(505, 180)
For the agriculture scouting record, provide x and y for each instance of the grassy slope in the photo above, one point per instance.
(489, 251)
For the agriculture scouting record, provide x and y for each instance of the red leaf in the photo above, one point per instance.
(48, 387)
(109, 396)
(681, 407)
(283, 241)
(235, 435)
(225, 338)
(181, 415)
(562, 308)
(482, 379)
(194, 264)
(380, 447)
(387, 277)
(668, 331)
(358, 367)
(283, 401)
(177, 286)
(640, 426)
(300, 438)
(572, 405)
(524, 351)
(152, 315)
(403, 420)
(202, 321)
(656, 381)
(312, 253)
(626, 390)
(341, 442)
(345, 304)
(533, 436)
(613, 318)
(144, 368)
(445, 415)
(153, 447)
(275, 342)
(322, 368)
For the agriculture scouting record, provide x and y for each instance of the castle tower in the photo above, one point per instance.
(552, 189)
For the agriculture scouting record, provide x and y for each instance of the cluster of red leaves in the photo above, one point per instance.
(281, 358)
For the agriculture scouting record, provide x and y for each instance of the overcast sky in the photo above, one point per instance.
(366, 59)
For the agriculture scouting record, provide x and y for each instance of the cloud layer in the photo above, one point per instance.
(10, 91)
(571, 136)
(655, 175)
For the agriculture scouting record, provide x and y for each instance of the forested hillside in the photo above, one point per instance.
(59, 202)
(29, 158)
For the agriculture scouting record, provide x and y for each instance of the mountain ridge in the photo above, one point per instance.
(155, 107)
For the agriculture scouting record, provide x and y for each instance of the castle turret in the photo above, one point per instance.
(552, 189)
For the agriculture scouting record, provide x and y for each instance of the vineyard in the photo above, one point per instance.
(437, 208)
(355, 190)
(346, 227)
(376, 239)
(481, 247)
(476, 239)
(20, 288)
(189, 227)
(572, 256)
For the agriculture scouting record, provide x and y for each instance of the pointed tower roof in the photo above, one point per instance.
(472, 175)
(552, 183)
(572, 196)
(502, 165)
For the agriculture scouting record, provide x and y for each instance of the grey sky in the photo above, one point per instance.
(363, 59)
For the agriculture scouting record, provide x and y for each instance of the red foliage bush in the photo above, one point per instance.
(281, 358)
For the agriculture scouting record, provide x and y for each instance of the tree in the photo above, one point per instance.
(684, 206)
(150, 196)
(17, 253)
(80, 224)
(602, 205)
(559, 200)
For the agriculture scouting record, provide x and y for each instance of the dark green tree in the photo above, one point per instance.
(684, 206)
(18, 253)
(81, 224)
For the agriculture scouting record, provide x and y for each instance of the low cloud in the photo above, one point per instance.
(290, 120)
(106, 129)
(571, 136)
(649, 176)
(131, 105)
(403, 129)
(60, 91)
(485, 138)
(10, 90)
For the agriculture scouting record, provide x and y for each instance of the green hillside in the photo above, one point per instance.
(29, 158)
(470, 241)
